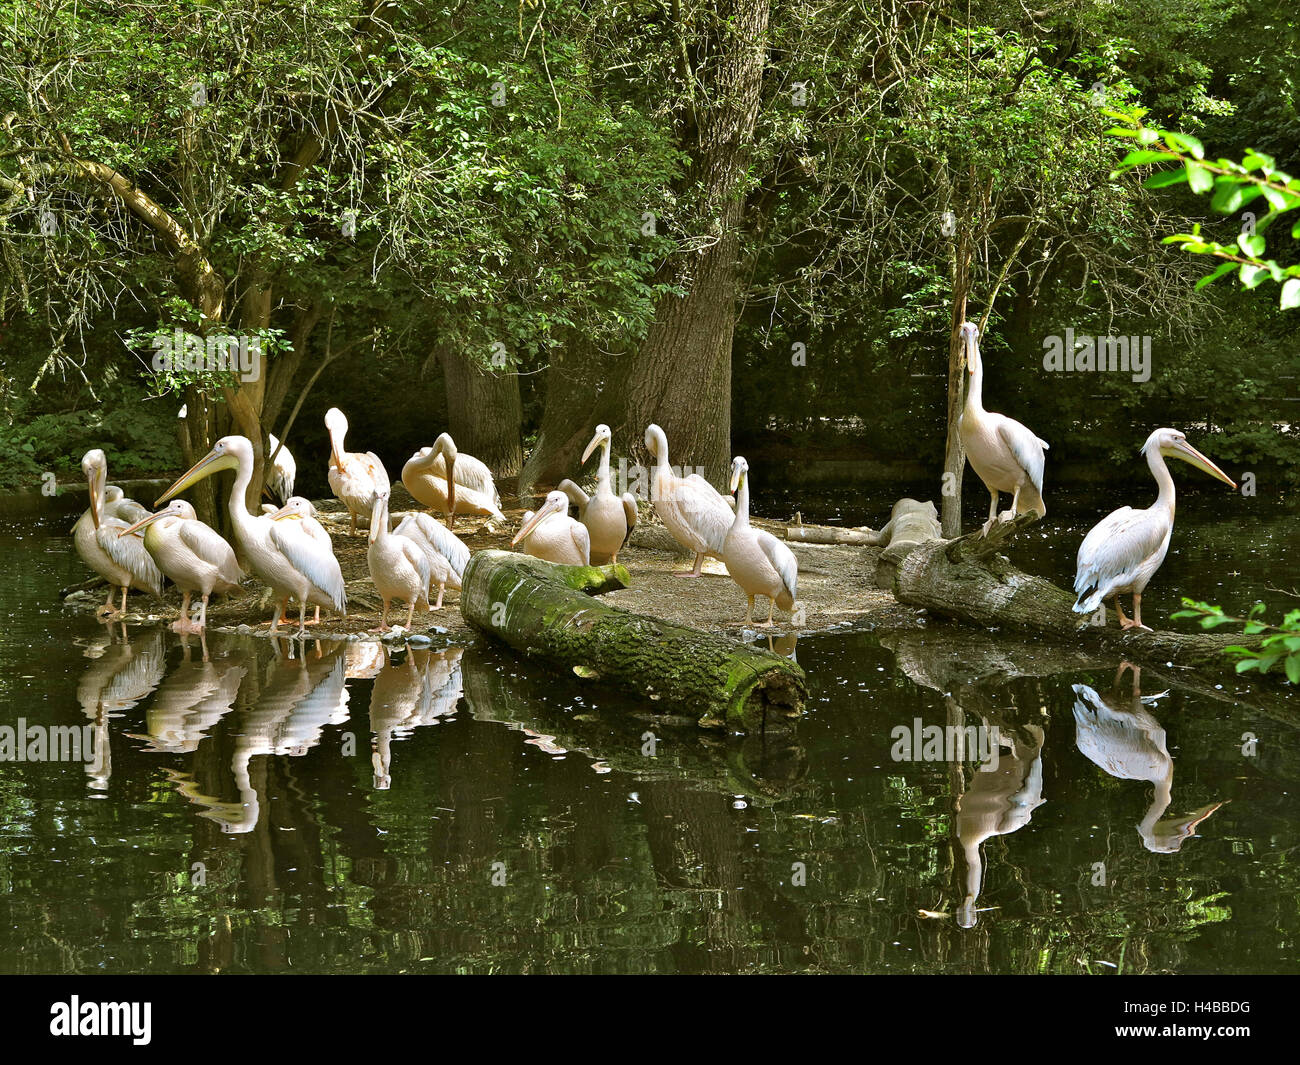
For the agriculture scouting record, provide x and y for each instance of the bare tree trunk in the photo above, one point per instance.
(484, 410)
(576, 402)
(954, 458)
(680, 377)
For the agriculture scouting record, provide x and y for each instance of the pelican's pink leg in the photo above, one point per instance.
(1137, 613)
(279, 612)
(383, 619)
(699, 565)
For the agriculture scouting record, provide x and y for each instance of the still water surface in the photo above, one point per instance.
(457, 810)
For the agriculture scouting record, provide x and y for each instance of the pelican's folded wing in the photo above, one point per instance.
(311, 559)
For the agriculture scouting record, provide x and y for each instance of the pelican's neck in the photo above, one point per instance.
(1160, 471)
(236, 502)
(380, 515)
(742, 504)
(602, 474)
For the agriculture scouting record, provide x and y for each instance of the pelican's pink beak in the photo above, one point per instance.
(596, 441)
(142, 523)
(209, 464)
(1183, 450)
(547, 509)
(285, 511)
(93, 481)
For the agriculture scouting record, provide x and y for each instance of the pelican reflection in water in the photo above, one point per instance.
(121, 674)
(422, 690)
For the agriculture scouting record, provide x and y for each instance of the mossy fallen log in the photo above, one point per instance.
(548, 612)
(968, 579)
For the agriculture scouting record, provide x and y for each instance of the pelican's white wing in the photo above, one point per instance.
(782, 559)
(128, 510)
(1115, 553)
(704, 510)
(209, 545)
(471, 473)
(581, 540)
(1126, 746)
(1027, 449)
(416, 556)
(423, 527)
(576, 495)
(311, 559)
(129, 553)
(375, 470)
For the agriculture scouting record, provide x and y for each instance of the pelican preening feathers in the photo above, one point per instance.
(1006, 456)
(443, 479)
(1123, 551)
(355, 478)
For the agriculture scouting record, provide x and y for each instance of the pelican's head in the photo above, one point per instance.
(603, 436)
(555, 503)
(177, 508)
(228, 453)
(295, 509)
(739, 467)
(1172, 444)
(336, 423)
(970, 336)
(379, 515)
(94, 464)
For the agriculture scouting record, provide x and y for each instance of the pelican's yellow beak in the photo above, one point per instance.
(596, 441)
(93, 482)
(212, 462)
(284, 512)
(140, 524)
(1183, 450)
(451, 483)
(737, 475)
(547, 509)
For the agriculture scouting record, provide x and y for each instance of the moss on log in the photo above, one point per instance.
(547, 611)
(969, 580)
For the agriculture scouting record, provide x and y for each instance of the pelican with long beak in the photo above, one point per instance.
(553, 536)
(1123, 551)
(192, 554)
(279, 553)
(397, 564)
(757, 560)
(609, 519)
(696, 513)
(355, 477)
(1006, 456)
(443, 479)
(122, 561)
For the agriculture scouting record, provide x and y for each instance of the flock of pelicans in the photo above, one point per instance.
(290, 551)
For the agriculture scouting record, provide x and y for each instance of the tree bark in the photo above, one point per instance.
(954, 457)
(576, 402)
(484, 410)
(547, 611)
(680, 376)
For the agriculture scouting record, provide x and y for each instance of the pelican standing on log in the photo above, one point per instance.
(757, 560)
(441, 478)
(553, 536)
(280, 553)
(122, 561)
(446, 554)
(1123, 551)
(192, 555)
(355, 478)
(397, 565)
(609, 519)
(695, 512)
(1006, 456)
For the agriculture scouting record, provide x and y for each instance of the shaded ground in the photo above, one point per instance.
(835, 586)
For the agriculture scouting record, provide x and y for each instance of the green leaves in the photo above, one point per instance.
(1280, 643)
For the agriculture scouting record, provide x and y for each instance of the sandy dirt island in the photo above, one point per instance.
(836, 587)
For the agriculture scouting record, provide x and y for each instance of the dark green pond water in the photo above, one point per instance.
(456, 810)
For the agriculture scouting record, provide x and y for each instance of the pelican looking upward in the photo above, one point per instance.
(757, 560)
(1006, 456)
(552, 535)
(695, 512)
(123, 562)
(1124, 549)
(355, 478)
(280, 553)
(192, 554)
(609, 519)
(443, 479)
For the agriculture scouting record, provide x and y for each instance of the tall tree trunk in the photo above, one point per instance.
(484, 410)
(954, 459)
(680, 377)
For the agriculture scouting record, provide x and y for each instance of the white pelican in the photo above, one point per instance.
(282, 473)
(280, 553)
(446, 555)
(123, 562)
(192, 554)
(695, 512)
(1118, 734)
(757, 560)
(355, 478)
(398, 565)
(300, 509)
(552, 535)
(117, 505)
(609, 519)
(1006, 456)
(470, 490)
(1124, 550)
